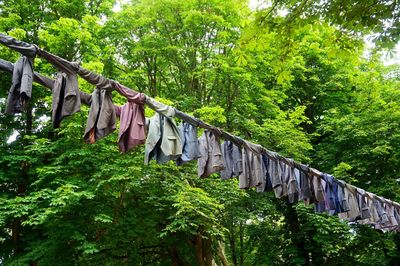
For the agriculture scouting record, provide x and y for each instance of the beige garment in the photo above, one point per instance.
(354, 211)
(210, 160)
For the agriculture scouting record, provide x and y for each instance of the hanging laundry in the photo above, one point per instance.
(102, 119)
(374, 218)
(42, 80)
(65, 97)
(331, 195)
(383, 217)
(374, 210)
(132, 121)
(253, 167)
(233, 164)
(21, 89)
(190, 143)
(163, 141)
(290, 179)
(210, 160)
(351, 199)
(389, 208)
(266, 184)
(362, 204)
(132, 126)
(343, 200)
(396, 213)
(275, 172)
(319, 185)
(302, 177)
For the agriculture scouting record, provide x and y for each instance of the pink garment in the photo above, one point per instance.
(132, 125)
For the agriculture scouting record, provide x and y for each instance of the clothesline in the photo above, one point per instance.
(108, 84)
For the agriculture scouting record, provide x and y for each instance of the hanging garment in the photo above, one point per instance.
(343, 199)
(42, 80)
(374, 218)
(352, 200)
(331, 195)
(65, 97)
(362, 205)
(21, 89)
(304, 183)
(320, 188)
(101, 120)
(232, 156)
(275, 172)
(190, 143)
(132, 125)
(396, 213)
(384, 219)
(163, 141)
(210, 160)
(351, 197)
(330, 202)
(390, 213)
(253, 167)
(266, 184)
(292, 179)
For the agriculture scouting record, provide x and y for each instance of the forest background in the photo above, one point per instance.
(293, 76)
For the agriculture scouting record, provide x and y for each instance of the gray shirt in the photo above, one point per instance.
(275, 172)
(233, 163)
(65, 97)
(210, 160)
(253, 167)
(292, 178)
(102, 119)
(21, 88)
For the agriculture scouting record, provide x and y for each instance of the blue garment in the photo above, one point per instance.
(304, 184)
(331, 202)
(331, 193)
(266, 185)
(190, 149)
(233, 163)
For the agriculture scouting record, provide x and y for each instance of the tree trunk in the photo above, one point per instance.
(207, 252)
(22, 185)
(294, 227)
(232, 242)
(241, 258)
(176, 259)
(221, 254)
(199, 249)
